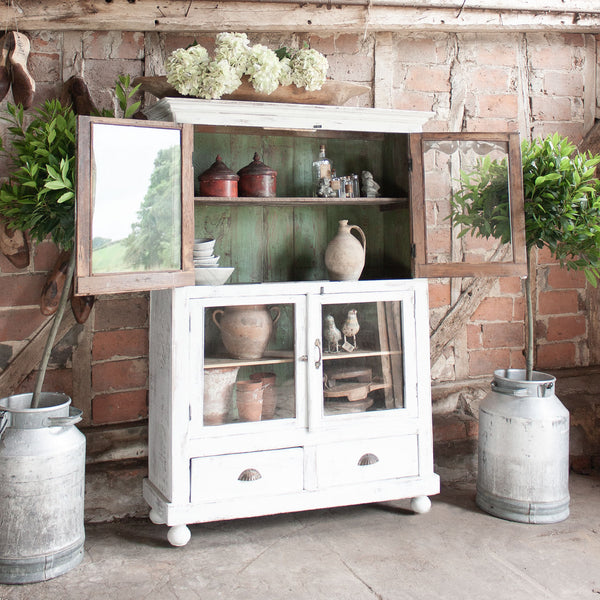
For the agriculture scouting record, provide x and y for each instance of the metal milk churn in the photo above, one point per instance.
(42, 479)
(523, 470)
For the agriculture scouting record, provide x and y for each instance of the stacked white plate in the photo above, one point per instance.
(206, 264)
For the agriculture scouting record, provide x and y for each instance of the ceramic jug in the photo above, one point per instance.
(246, 329)
(345, 255)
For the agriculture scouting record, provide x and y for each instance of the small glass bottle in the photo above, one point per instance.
(355, 186)
(336, 184)
(321, 169)
(349, 190)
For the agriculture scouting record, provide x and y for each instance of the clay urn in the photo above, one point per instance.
(246, 329)
(257, 179)
(345, 254)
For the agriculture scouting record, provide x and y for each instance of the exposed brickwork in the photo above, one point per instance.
(471, 82)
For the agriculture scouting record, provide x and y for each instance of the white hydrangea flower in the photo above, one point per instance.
(263, 69)
(220, 78)
(309, 69)
(186, 68)
(235, 49)
(285, 74)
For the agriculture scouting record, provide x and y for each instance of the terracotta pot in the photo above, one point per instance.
(218, 394)
(246, 329)
(269, 393)
(249, 398)
(345, 255)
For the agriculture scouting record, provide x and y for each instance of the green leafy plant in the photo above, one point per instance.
(562, 209)
(39, 194)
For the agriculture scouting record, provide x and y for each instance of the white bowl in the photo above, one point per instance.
(212, 261)
(204, 244)
(212, 275)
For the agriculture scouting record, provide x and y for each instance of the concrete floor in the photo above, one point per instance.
(379, 551)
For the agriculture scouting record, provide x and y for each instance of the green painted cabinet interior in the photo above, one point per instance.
(267, 241)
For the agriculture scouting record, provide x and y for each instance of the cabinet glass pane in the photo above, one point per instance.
(362, 357)
(248, 364)
(467, 185)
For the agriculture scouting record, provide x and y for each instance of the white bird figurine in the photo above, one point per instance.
(351, 326)
(332, 334)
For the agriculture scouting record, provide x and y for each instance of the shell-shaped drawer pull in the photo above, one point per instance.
(367, 459)
(249, 475)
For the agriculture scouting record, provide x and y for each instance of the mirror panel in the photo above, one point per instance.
(134, 205)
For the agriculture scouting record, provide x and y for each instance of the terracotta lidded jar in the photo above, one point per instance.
(345, 254)
(257, 179)
(246, 329)
(219, 180)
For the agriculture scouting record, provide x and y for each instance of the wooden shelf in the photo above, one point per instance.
(299, 201)
(270, 358)
(359, 354)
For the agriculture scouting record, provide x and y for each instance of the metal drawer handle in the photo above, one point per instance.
(367, 459)
(249, 475)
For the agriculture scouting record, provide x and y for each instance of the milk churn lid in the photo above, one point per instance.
(257, 167)
(218, 171)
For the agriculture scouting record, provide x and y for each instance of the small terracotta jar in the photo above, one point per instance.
(257, 179)
(249, 400)
(269, 393)
(219, 180)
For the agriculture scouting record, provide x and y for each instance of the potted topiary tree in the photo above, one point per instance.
(42, 456)
(523, 427)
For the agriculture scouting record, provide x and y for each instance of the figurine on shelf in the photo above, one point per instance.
(350, 329)
(370, 188)
(332, 334)
(325, 190)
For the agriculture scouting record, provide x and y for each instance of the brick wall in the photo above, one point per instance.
(533, 83)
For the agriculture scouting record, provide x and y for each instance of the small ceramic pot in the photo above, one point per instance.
(219, 180)
(249, 399)
(218, 394)
(257, 179)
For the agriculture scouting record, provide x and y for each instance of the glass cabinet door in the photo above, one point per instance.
(360, 354)
(248, 372)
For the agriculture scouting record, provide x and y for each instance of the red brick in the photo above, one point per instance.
(551, 57)
(448, 428)
(119, 407)
(565, 328)
(551, 108)
(410, 100)
(439, 294)
(517, 359)
(428, 79)
(120, 375)
(484, 362)
(7, 267)
(510, 285)
(474, 341)
(565, 278)
(325, 45)
(496, 53)
(22, 289)
(563, 83)
(115, 313)
(45, 256)
(44, 66)
(494, 309)
(490, 79)
(503, 335)
(18, 325)
(120, 343)
(498, 105)
(558, 302)
(348, 43)
(111, 45)
(552, 356)
(438, 241)
(545, 257)
(519, 309)
(485, 125)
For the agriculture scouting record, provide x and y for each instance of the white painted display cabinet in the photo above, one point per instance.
(352, 419)
(351, 423)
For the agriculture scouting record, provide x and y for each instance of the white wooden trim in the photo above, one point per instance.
(287, 116)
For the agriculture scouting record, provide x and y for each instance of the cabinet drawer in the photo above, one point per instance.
(367, 460)
(247, 474)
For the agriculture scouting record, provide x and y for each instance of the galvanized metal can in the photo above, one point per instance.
(42, 479)
(523, 455)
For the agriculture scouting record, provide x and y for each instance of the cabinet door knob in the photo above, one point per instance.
(367, 459)
(249, 475)
(318, 347)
